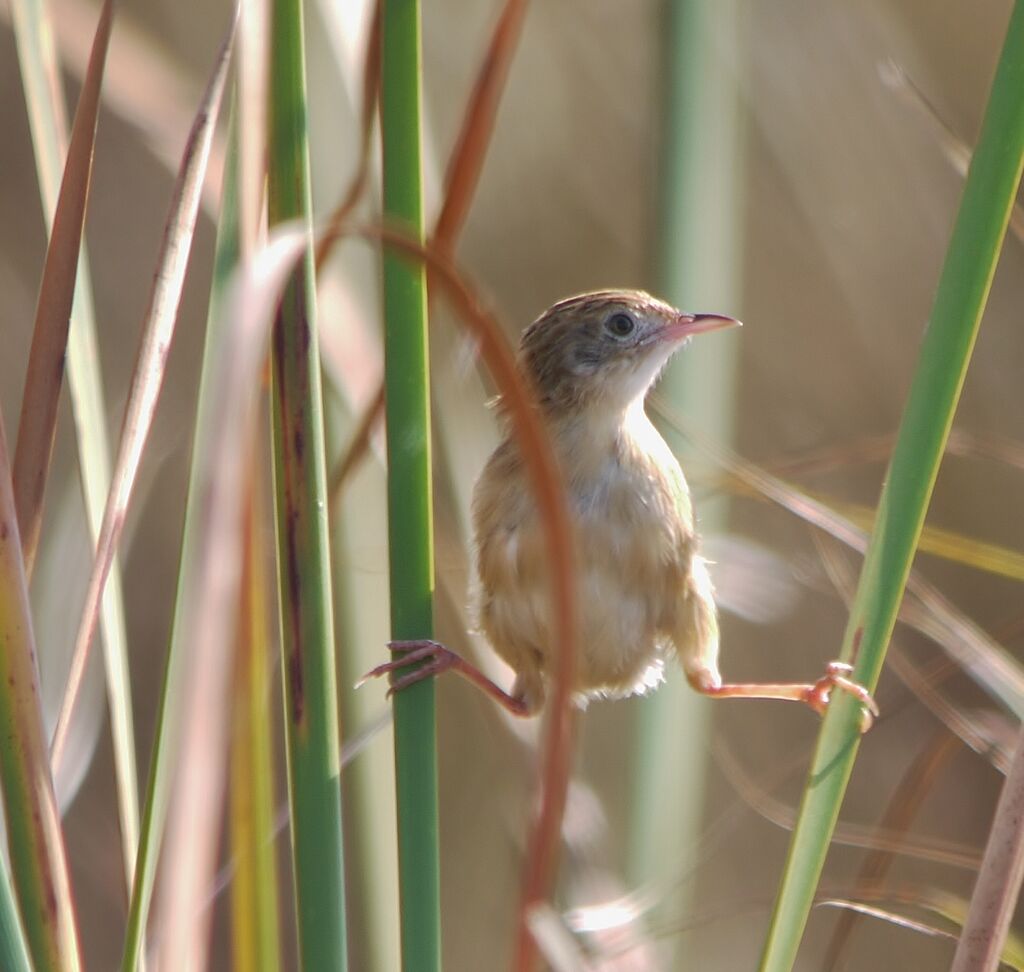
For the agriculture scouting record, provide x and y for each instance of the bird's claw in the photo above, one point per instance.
(432, 655)
(837, 676)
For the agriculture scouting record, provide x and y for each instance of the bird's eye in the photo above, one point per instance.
(621, 325)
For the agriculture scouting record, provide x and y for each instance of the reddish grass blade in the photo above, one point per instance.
(143, 84)
(999, 882)
(549, 491)
(158, 331)
(210, 597)
(463, 175)
(38, 423)
(467, 159)
(464, 168)
(33, 23)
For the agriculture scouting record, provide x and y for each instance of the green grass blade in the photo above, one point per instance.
(945, 352)
(13, 950)
(41, 80)
(307, 627)
(254, 911)
(35, 842)
(410, 531)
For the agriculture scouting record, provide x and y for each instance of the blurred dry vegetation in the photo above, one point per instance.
(850, 112)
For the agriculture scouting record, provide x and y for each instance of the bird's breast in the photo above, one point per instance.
(634, 541)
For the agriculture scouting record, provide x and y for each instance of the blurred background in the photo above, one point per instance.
(797, 165)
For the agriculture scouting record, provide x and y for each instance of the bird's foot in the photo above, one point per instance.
(418, 660)
(424, 658)
(837, 676)
(816, 694)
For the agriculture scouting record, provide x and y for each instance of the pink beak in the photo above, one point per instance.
(687, 325)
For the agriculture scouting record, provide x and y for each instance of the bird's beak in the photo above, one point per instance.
(687, 325)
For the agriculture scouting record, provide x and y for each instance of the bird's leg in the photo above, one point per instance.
(424, 659)
(816, 694)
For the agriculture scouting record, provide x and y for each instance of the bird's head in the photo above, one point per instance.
(603, 351)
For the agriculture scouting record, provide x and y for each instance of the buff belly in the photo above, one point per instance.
(629, 590)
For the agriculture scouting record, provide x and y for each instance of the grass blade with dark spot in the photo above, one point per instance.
(307, 624)
(41, 79)
(34, 839)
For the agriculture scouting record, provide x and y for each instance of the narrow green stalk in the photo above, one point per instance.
(698, 270)
(307, 626)
(254, 912)
(945, 352)
(370, 850)
(409, 488)
(13, 950)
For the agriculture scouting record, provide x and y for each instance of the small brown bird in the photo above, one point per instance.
(644, 589)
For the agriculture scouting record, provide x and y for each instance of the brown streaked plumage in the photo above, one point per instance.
(644, 589)
(642, 585)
